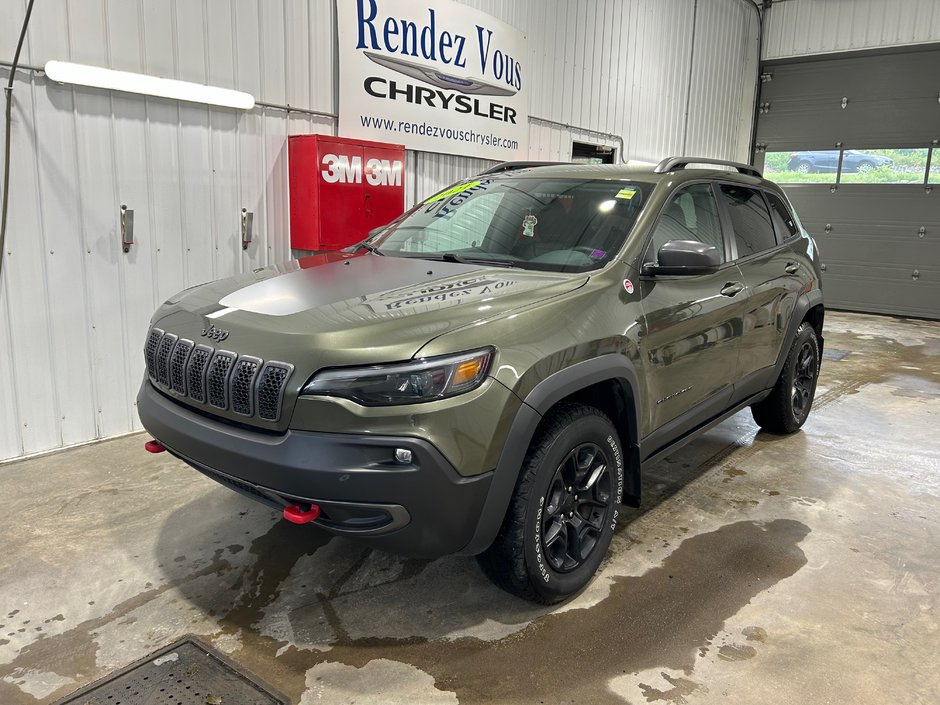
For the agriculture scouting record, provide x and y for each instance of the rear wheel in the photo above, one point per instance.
(804, 167)
(787, 407)
(564, 509)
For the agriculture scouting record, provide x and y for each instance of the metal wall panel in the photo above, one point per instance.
(74, 308)
(801, 27)
(722, 88)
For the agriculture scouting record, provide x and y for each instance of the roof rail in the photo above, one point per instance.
(673, 163)
(512, 166)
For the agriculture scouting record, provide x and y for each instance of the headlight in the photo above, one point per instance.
(405, 383)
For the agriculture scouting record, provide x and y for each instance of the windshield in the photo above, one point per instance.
(564, 225)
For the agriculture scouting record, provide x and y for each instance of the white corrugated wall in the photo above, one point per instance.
(74, 308)
(802, 27)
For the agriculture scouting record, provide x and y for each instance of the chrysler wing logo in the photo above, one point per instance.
(437, 78)
(212, 333)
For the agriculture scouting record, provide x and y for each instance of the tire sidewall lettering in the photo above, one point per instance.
(539, 555)
(545, 574)
(619, 479)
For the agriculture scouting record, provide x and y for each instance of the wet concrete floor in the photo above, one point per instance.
(800, 569)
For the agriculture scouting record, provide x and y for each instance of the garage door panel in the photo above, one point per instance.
(874, 247)
(890, 98)
(882, 245)
(892, 210)
(867, 249)
(862, 287)
(863, 75)
(798, 126)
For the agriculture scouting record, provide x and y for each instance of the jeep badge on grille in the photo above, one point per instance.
(213, 333)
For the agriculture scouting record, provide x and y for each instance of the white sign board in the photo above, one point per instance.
(433, 75)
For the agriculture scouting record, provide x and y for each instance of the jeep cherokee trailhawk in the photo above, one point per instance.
(489, 373)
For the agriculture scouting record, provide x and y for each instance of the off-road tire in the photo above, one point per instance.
(783, 411)
(518, 560)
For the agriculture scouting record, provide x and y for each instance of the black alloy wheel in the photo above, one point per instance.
(564, 509)
(804, 380)
(576, 507)
(787, 406)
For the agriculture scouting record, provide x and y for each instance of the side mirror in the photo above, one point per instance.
(685, 257)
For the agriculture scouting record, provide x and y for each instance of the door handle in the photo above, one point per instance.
(731, 288)
(792, 268)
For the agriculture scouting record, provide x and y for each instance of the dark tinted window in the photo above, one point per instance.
(692, 214)
(783, 221)
(753, 231)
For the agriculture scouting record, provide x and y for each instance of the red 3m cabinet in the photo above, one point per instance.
(341, 188)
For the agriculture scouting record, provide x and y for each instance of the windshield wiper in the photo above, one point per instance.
(460, 259)
(371, 248)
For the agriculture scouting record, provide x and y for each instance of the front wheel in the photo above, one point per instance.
(788, 405)
(564, 510)
(804, 167)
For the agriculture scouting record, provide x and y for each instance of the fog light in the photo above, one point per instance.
(403, 456)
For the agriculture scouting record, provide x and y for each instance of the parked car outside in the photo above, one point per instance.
(854, 161)
(489, 374)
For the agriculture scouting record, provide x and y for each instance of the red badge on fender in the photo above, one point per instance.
(628, 286)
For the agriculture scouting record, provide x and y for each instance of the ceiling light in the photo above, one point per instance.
(97, 77)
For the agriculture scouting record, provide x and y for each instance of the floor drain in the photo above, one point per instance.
(187, 672)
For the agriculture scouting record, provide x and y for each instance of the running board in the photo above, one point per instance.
(699, 430)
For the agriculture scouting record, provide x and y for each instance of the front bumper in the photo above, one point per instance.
(422, 509)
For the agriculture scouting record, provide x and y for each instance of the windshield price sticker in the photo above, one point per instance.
(460, 188)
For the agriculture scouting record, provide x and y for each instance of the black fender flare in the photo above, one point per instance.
(804, 303)
(536, 404)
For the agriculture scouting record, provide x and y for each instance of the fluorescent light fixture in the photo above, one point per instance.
(97, 77)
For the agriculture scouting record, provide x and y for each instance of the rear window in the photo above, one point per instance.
(753, 230)
(783, 220)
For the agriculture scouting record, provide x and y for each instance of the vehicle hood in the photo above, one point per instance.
(342, 309)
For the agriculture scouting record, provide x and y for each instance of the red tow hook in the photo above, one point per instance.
(154, 447)
(297, 515)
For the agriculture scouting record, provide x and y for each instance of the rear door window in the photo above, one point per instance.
(753, 229)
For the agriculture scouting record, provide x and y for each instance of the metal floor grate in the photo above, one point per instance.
(185, 673)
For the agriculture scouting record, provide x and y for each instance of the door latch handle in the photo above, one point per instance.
(792, 268)
(731, 288)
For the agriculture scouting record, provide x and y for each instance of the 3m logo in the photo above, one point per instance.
(343, 169)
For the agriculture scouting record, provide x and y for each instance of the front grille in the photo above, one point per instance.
(150, 351)
(178, 360)
(162, 358)
(217, 378)
(196, 372)
(243, 384)
(271, 389)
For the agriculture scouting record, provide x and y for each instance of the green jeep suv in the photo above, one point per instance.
(489, 373)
